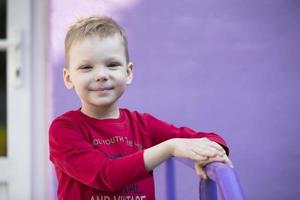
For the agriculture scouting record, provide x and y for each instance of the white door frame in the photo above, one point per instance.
(41, 96)
(23, 172)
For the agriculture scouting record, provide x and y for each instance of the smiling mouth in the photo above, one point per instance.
(102, 89)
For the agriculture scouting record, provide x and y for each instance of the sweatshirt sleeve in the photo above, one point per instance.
(162, 131)
(74, 155)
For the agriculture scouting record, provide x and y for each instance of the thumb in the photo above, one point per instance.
(200, 171)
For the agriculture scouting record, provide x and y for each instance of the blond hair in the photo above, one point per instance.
(93, 26)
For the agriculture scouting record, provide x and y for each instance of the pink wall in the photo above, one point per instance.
(230, 67)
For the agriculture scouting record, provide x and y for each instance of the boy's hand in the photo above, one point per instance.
(200, 164)
(201, 149)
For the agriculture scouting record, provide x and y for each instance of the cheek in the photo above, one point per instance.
(122, 81)
(80, 84)
(119, 77)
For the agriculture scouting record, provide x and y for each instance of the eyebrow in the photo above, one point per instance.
(84, 62)
(107, 60)
(113, 59)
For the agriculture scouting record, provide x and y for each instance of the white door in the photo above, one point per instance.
(22, 171)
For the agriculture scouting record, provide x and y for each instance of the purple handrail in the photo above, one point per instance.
(222, 180)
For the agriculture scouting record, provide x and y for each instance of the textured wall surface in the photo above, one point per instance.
(231, 67)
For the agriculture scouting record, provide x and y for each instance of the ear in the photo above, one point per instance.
(67, 79)
(129, 73)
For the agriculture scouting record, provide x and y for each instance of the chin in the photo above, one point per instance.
(105, 104)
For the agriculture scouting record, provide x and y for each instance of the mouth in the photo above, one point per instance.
(102, 89)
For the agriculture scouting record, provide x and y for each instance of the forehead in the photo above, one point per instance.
(96, 48)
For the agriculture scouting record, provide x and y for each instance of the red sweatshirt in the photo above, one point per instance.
(103, 159)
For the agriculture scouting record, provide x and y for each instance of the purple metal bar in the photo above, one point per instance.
(207, 190)
(226, 180)
(222, 180)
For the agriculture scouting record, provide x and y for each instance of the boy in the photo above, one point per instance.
(102, 152)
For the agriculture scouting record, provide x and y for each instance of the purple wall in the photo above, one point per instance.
(231, 67)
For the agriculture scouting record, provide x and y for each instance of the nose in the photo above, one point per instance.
(101, 74)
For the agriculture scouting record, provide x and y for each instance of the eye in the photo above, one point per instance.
(85, 67)
(114, 64)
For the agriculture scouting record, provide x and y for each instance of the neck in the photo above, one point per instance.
(102, 112)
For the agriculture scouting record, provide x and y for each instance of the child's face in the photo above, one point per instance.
(98, 71)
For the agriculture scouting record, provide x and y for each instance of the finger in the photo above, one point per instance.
(228, 161)
(200, 171)
(200, 157)
(224, 159)
(211, 145)
(208, 151)
(195, 156)
(218, 147)
(213, 159)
